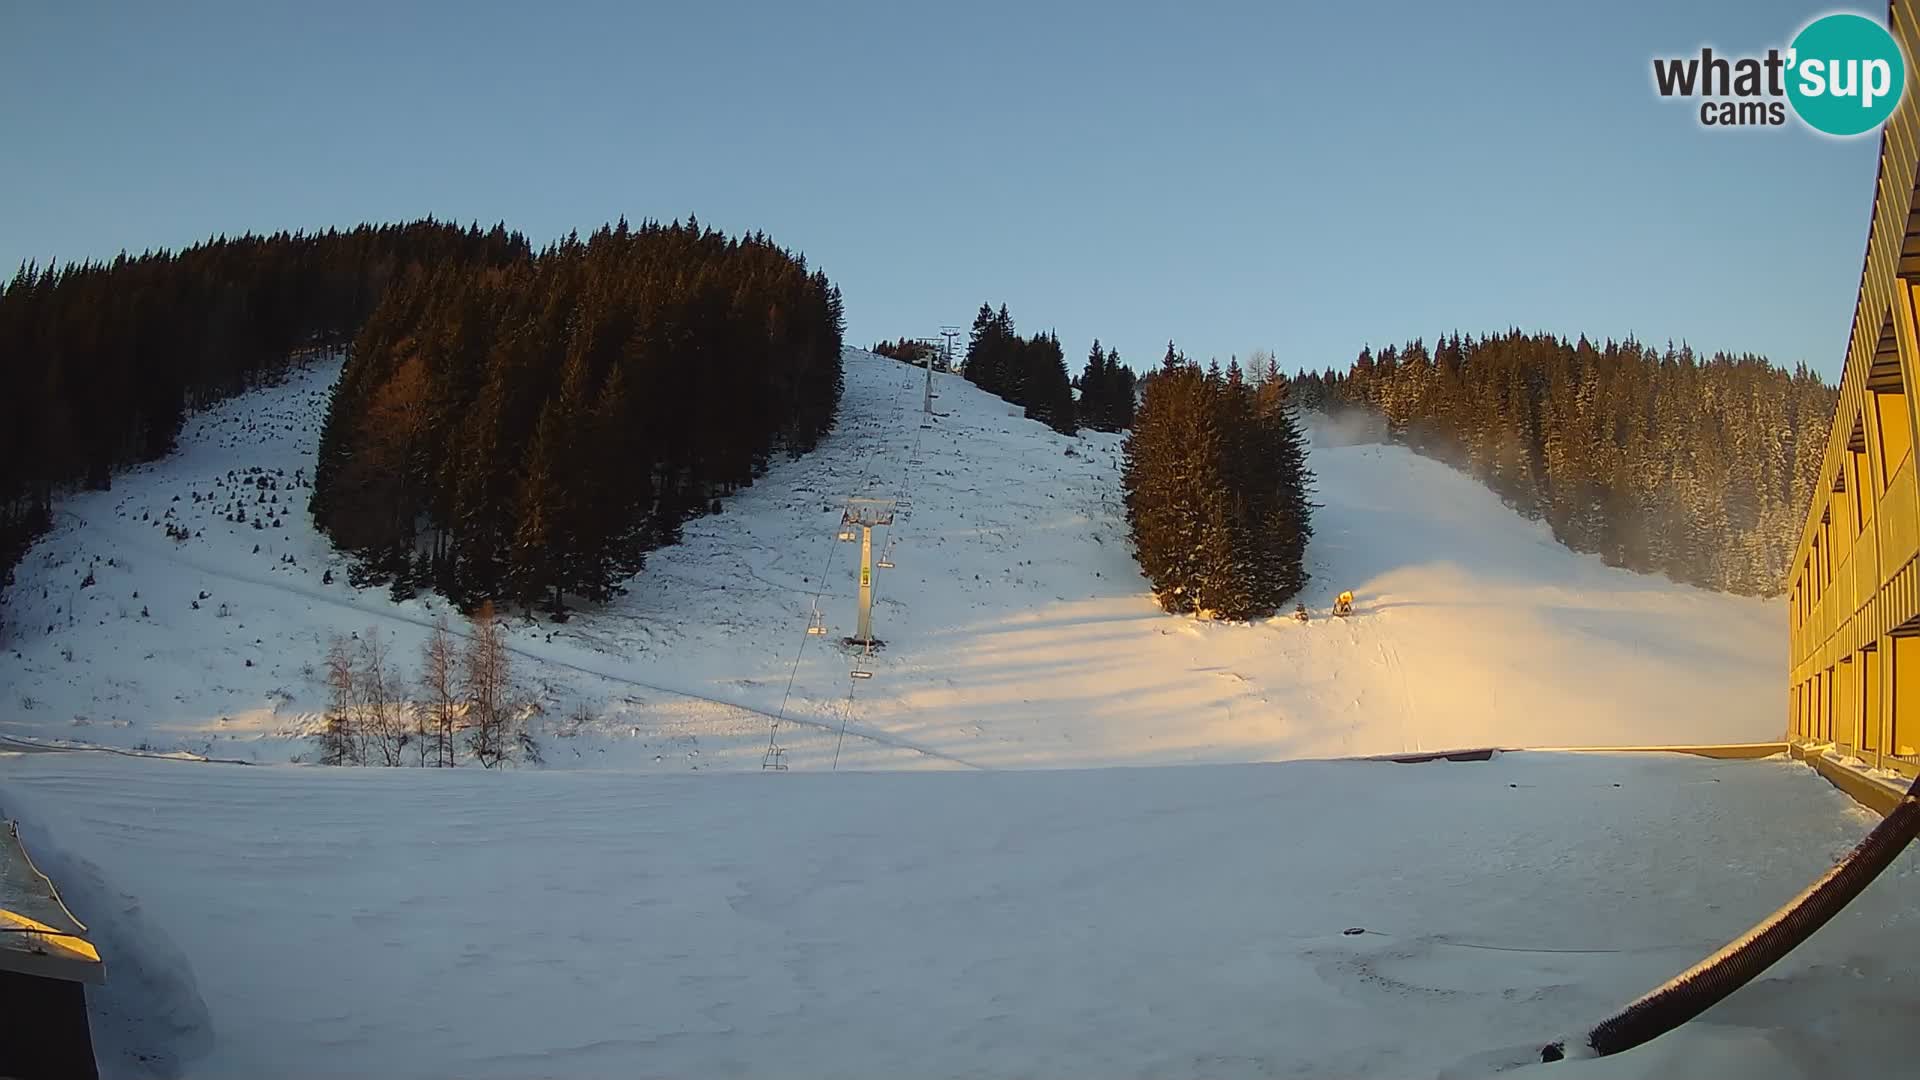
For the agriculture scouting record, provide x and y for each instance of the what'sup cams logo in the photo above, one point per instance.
(1843, 75)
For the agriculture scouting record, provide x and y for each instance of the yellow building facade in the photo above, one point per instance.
(1854, 585)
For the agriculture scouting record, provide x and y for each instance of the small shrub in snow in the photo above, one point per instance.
(529, 749)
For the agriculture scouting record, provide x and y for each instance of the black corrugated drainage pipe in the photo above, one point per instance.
(1701, 986)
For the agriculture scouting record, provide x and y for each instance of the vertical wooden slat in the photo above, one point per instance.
(1873, 588)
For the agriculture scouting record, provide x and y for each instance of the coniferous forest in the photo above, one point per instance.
(510, 426)
(102, 361)
(528, 432)
(1217, 489)
(1659, 461)
(1030, 371)
(1000, 361)
(1107, 391)
(909, 351)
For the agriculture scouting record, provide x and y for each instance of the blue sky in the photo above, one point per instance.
(1293, 176)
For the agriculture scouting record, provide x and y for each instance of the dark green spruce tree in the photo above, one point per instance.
(1095, 386)
(1217, 492)
(1048, 392)
(1122, 393)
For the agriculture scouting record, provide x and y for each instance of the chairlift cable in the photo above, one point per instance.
(833, 550)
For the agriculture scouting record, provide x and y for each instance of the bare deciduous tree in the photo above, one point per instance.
(384, 712)
(339, 739)
(485, 680)
(1262, 366)
(440, 686)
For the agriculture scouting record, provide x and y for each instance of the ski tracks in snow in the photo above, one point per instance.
(131, 540)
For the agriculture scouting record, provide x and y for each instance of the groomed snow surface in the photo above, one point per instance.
(1018, 630)
(1166, 922)
(1013, 911)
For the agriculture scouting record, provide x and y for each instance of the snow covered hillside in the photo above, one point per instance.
(1226, 921)
(1310, 918)
(1018, 631)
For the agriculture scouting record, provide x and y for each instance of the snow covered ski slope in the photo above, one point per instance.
(1171, 921)
(1019, 632)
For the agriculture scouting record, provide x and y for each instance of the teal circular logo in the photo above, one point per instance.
(1845, 74)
